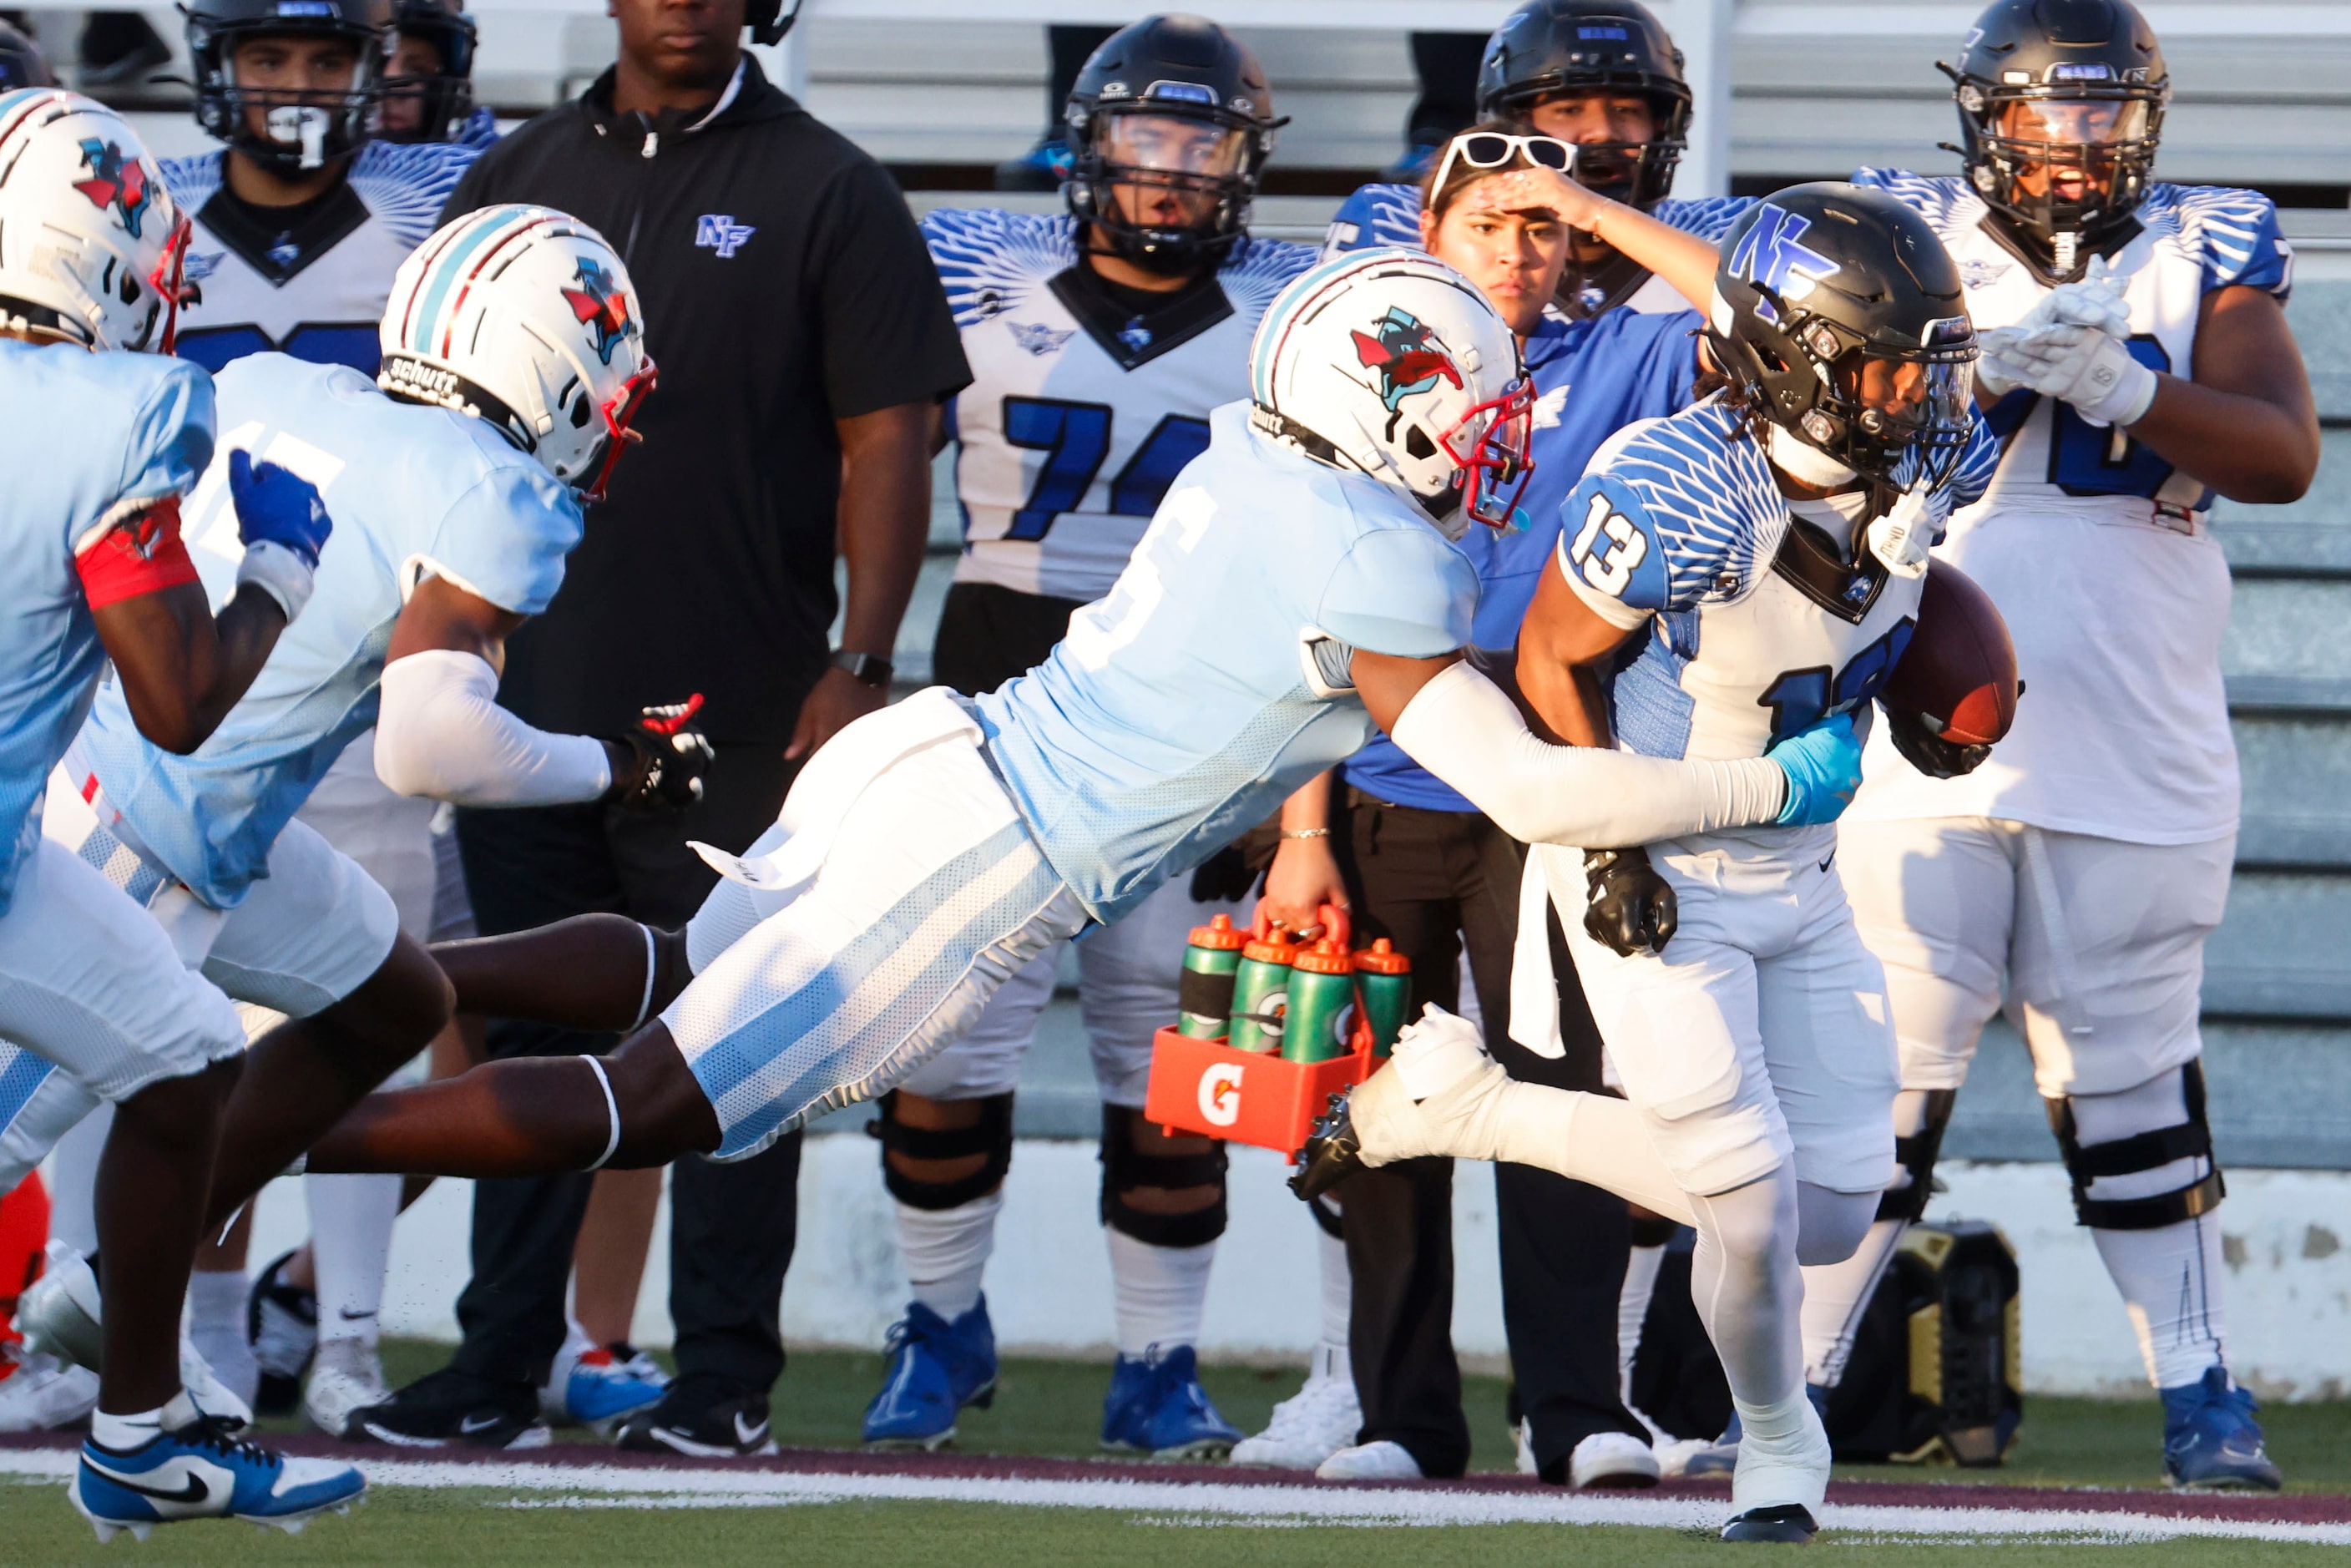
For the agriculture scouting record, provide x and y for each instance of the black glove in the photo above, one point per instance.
(1628, 908)
(667, 757)
(1928, 752)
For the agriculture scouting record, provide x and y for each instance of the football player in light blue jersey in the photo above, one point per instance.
(102, 442)
(1297, 587)
(2139, 366)
(1099, 341)
(1761, 556)
(501, 397)
(1602, 75)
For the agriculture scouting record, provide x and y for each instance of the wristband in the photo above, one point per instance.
(278, 572)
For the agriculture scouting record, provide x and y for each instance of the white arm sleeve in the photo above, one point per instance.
(441, 734)
(1463, 728)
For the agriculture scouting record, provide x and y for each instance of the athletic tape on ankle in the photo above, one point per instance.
(653, 963)
(612, 1110)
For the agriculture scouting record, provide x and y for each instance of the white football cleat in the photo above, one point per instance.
(1312, 1425)
(1380, 1462)
(58, 1314)
(44, 1394)
(1612, 1460)
(346, 1377)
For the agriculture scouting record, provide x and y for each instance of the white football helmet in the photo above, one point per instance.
(90, 243)
(524, 318)
(1391, 363)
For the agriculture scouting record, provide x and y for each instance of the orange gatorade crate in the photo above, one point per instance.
(1245, 1096)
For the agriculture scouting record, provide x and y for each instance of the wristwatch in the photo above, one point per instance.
(871, 668)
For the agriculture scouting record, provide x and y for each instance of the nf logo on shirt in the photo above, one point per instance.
(721, 233)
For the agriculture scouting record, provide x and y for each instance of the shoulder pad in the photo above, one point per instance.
(990, 259)
(192, 180)
(1260, 269)
(1703, 502)
(1707, 217)
(1375, 215)
(2233, 233)
(1943, 200)
(406, 186)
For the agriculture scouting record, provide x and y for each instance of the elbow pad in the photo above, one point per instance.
(441, 734)
(1464, 730)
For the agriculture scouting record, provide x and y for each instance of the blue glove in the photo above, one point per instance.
(1823, 769)
(277, 506)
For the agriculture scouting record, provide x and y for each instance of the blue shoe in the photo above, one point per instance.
(204, 1471)
(1044, 167)
(1156, 1406)
(1721, 1457)
(937, 1367)
(2211, 1440)
(608, 1382)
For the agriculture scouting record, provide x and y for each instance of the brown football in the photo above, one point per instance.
(1959, 668)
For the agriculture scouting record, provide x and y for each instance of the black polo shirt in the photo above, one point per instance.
(784, 286)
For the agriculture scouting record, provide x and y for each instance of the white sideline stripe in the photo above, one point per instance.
(613, 1486)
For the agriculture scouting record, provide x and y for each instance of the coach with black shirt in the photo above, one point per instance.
(804, 347)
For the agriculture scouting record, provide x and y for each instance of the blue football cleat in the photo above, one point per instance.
(937, 1367)
(1721, 1457)
(607, 1382)
(1156, 1406)
(204, 1471)
(2211, 1440)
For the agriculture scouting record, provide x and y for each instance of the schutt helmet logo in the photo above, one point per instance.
(115, 182)
(1406, 357)
(601, 307)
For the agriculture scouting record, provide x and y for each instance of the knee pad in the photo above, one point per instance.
(991, 1136)
(2147, 1151)
(1128, 1165)
(1916, 1155)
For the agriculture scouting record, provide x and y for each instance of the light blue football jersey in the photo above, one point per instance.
(415, 493)
(87, 440)
(1752, 635)
(1213, 680)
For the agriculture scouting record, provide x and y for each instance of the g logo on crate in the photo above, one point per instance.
(1220, 1094)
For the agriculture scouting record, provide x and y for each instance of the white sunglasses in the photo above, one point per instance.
(1494, 149)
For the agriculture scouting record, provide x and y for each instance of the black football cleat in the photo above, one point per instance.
(1332, 1152)
(1783, 1523)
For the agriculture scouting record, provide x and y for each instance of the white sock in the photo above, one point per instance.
(947, 1252)
(1747, 1291)
(1632, 1311)
(1338, 1292)
(2170, 1282)
(73, 1185)
(1160, 1292)
(351, 1219)
(1835, 1296)
(217, 1306)
(123, 1433)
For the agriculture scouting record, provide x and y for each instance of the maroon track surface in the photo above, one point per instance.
(2293, 1507)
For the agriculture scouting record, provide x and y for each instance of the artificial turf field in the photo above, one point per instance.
(820, 1508)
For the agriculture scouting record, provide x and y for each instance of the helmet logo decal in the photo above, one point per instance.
(601, 307)
(1405, 355)
(115, 182)
(1772, 255)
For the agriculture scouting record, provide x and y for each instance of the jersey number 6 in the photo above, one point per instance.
(1075, 438)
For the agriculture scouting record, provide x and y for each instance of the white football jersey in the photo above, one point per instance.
(2097, 549)
(314, 289)
(1081, 413)
(1759, 624)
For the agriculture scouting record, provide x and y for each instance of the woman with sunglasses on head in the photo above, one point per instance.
(1419, 865)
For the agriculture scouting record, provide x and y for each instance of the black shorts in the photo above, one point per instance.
(989, 634)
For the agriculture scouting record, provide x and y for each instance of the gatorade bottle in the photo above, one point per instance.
(1261, 991)
(1384, 982)
(1205, 995)
(1321, 1003)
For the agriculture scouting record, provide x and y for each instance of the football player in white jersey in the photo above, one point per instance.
(504, 400)
(1763, 552)
(103, 443)
(1098, 342)
(2141, 364)
(428, 88)
(1296, 587)
(1601, 74)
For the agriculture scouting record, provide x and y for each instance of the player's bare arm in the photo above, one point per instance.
(1561, 644)
(2245, 423)
(182, 667)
